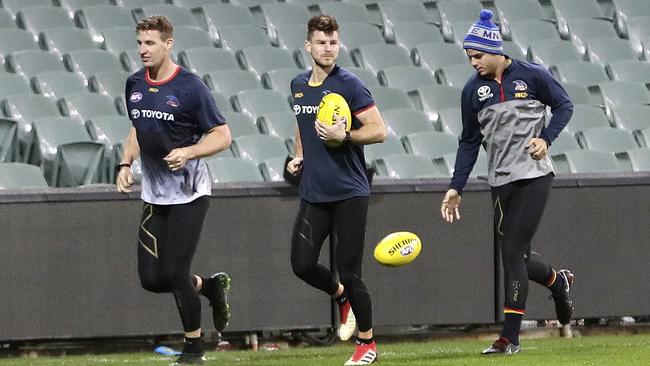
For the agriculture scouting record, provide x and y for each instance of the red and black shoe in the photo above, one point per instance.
(364, 354)
(502, 346)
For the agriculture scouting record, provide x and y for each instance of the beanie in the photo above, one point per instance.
(484, 35)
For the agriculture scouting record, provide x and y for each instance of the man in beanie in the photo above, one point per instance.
(503, 108)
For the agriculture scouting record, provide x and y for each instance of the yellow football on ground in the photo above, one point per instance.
(330, 105)
(398, 249)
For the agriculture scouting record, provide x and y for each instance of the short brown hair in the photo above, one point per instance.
(158, 23)
(324, 23)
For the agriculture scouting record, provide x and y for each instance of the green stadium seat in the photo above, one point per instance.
(9, 144)
(71, 6)
(637, 31)
(109, 83)
(28, 63)
(639, 159)
(202, 60)
(393, 13)
(608, 139)
(240, 124)
(643, 137)
(587, 161)
(456, 31)
(290, 37)
(405, 166)
(99, 18)
(279, 80)
(434, 56)
(526, 33)
(179, 16)
(216, 16)
(112, 131)
(266, 58)
(580, 73)
(455, 12)
(447, 162)
(137, 4)
(273, 169)
(625, 10)
(579, 94)
(192, 4)
(85, 106)
(256, 102)
(629, 70)
(21, 176)
(130, 60)
(14, 6)
(233, 38)
(406, 78)
(430, 144)
(615, 93)
(38, 18)
(186, 37)
(63, 40)
(119, 39)
(586, 117)
(450, 121)
(391, 98)
(376, 57)
(346, 12)
(6, 20)
(391, 145)
(56, 84)
(603, 51)
(229, 82)
(251, 3)
(231, 170)
(509, 11)
(12, 84)
(12, 40)
(436, 98)
(512, 50)
(553, 52)
(282, 14)
(366, 76)
(631, 117)
(455, 75)
(403, 122)
(567, 12)
(410, 36)
(280, 124)
(258, 147)
(223, 102)
(358, 34)
(564, 142)
(90, 62)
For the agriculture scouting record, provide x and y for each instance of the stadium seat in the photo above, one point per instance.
(216, 16)
(273, 169)
(512, 50)
(230, 170)
(202, 60)
(85, 106)
(233, 38)
(6, 20)
(309, 3)
(346, 12)
(90, 62)
(56, 84)
(376, 57)
(582, 31)
(391, 145)
(354, 35)
(586, 117)
(251, 3)
(616, 93)
(12, 40)
(14, 6)
(587, 161)
(526, 33)
(223, 102)
(455, 75)
(436, 98)
(603, 51)
(256, 102)
(629, 70)
(564, 142)
(454, 12)
(624, 10)
(552, 52)
(608, 139)
(98, 18)
(366, 76)
(643, 137)
(66, 153)
(136, 4)
(280, 124)
(179, 16)
(37, 18)
(112, 131)
(579, 94)
(631, 117)
(402, 122)
(240, 124)
(637, 31)
(509, 11)
(21, 176)
(450, 121)
(410, 35)
(639, 159)
(229, 82)
(567, 12)
(12, 84)
(434, 56)
(131, 60)
(279, 80)
(258, 147)
(393, 13)
(290, 37)
(119, 39)
(63, 40)
(266, 58)
(71, 6)
(406, 78)
(109, 83)
(580, 73)
(186, 37)
(457, 31)
(391, 98)
(193, 4)
(9, 144)
(431, 144)
(282, 14)
(447, 163)
(28, 63)
(405, 166)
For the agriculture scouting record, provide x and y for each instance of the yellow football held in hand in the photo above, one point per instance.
(330, 105)
(398, 249)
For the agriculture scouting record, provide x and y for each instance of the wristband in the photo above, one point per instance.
(122, 165)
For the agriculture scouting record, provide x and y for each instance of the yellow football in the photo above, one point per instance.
(330, 105)
(398, 249)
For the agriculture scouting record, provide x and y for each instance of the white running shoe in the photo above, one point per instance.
(348, 322)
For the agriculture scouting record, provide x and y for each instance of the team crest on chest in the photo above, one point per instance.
(135, 97)
(172, 101)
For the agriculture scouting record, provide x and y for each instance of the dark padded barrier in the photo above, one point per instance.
(68, 264)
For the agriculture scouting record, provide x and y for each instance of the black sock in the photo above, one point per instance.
(512, 327)
(193, 346)
(365, 341)
(207, 283)
(341, 299)
(558, 285)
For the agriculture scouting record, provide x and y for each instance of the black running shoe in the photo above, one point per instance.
(218, 296)
(563, 304)
(190, 359)
(502, 346)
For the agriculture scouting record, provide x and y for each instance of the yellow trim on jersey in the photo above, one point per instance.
(513, 311)
(314, 84)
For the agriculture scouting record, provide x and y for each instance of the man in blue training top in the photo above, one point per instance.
(175, 124)
(503, 108)
(334, 188)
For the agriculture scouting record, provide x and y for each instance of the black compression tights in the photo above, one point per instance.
(346, 221)
(168, 237)
(518, 208)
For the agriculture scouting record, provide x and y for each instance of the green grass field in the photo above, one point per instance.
(589, 350)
